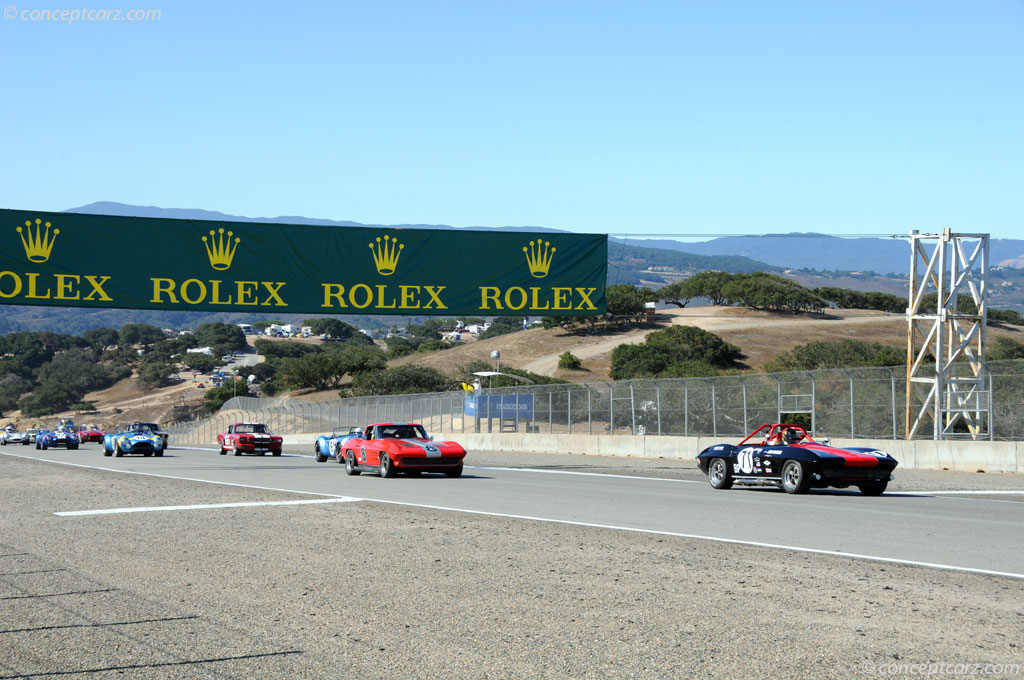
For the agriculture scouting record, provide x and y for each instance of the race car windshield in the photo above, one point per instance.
(255, 429)
(405, 432)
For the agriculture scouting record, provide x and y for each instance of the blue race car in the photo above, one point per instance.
(328, 445)
(62, 436)
(141, 438)
(786, 456)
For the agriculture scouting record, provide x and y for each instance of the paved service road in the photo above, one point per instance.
(959, 532)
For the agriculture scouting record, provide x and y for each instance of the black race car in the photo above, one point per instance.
(786, 456)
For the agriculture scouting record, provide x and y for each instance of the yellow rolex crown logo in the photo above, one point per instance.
(219, 249)
(37, 243)
(538, 257)
(386, 254)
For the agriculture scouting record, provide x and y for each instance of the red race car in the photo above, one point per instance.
(90, 433)
(249, 438)
(390, 448)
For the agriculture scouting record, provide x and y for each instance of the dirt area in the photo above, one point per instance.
(760, 335)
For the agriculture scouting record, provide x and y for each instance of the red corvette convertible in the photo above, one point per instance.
(390, 448)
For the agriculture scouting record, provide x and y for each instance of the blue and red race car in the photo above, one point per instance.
(788, 457)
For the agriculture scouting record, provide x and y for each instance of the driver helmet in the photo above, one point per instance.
(791, 436)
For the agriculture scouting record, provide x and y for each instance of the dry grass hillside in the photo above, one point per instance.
(760, 335)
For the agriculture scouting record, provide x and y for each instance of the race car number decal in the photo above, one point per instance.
(745, 460)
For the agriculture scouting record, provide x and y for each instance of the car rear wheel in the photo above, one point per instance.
(873, 489)
(350, 463)
(718, 474)
(387, 468)
(320, 457)
(455, 472)
(794, 477)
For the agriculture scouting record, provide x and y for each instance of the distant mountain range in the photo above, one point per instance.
(819, 252)
(122, 209)
(828, 253)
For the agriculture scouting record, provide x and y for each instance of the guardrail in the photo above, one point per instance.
(852, 403)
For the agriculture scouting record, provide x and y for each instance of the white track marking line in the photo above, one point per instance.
(716, 539)
(654, 532)
(975, 492)
(184, 479)
(208, 506)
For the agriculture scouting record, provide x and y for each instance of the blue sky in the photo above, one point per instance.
(607, 117)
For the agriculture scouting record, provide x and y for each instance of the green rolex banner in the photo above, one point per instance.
(75, 260)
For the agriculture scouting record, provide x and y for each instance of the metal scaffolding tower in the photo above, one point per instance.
(948, 383)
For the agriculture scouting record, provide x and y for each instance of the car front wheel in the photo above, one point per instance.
(387, 468)
(455, 472)
(320, 457)
(794, 477)
(718, 474)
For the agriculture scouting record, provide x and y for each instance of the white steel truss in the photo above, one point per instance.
(948, 383)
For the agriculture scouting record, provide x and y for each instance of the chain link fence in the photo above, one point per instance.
(853, 403)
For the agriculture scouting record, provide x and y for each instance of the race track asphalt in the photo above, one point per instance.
(589, 567)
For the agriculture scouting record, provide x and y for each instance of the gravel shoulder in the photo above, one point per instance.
(381, 591)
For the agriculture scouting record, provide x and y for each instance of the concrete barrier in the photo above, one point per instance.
(963, 456)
